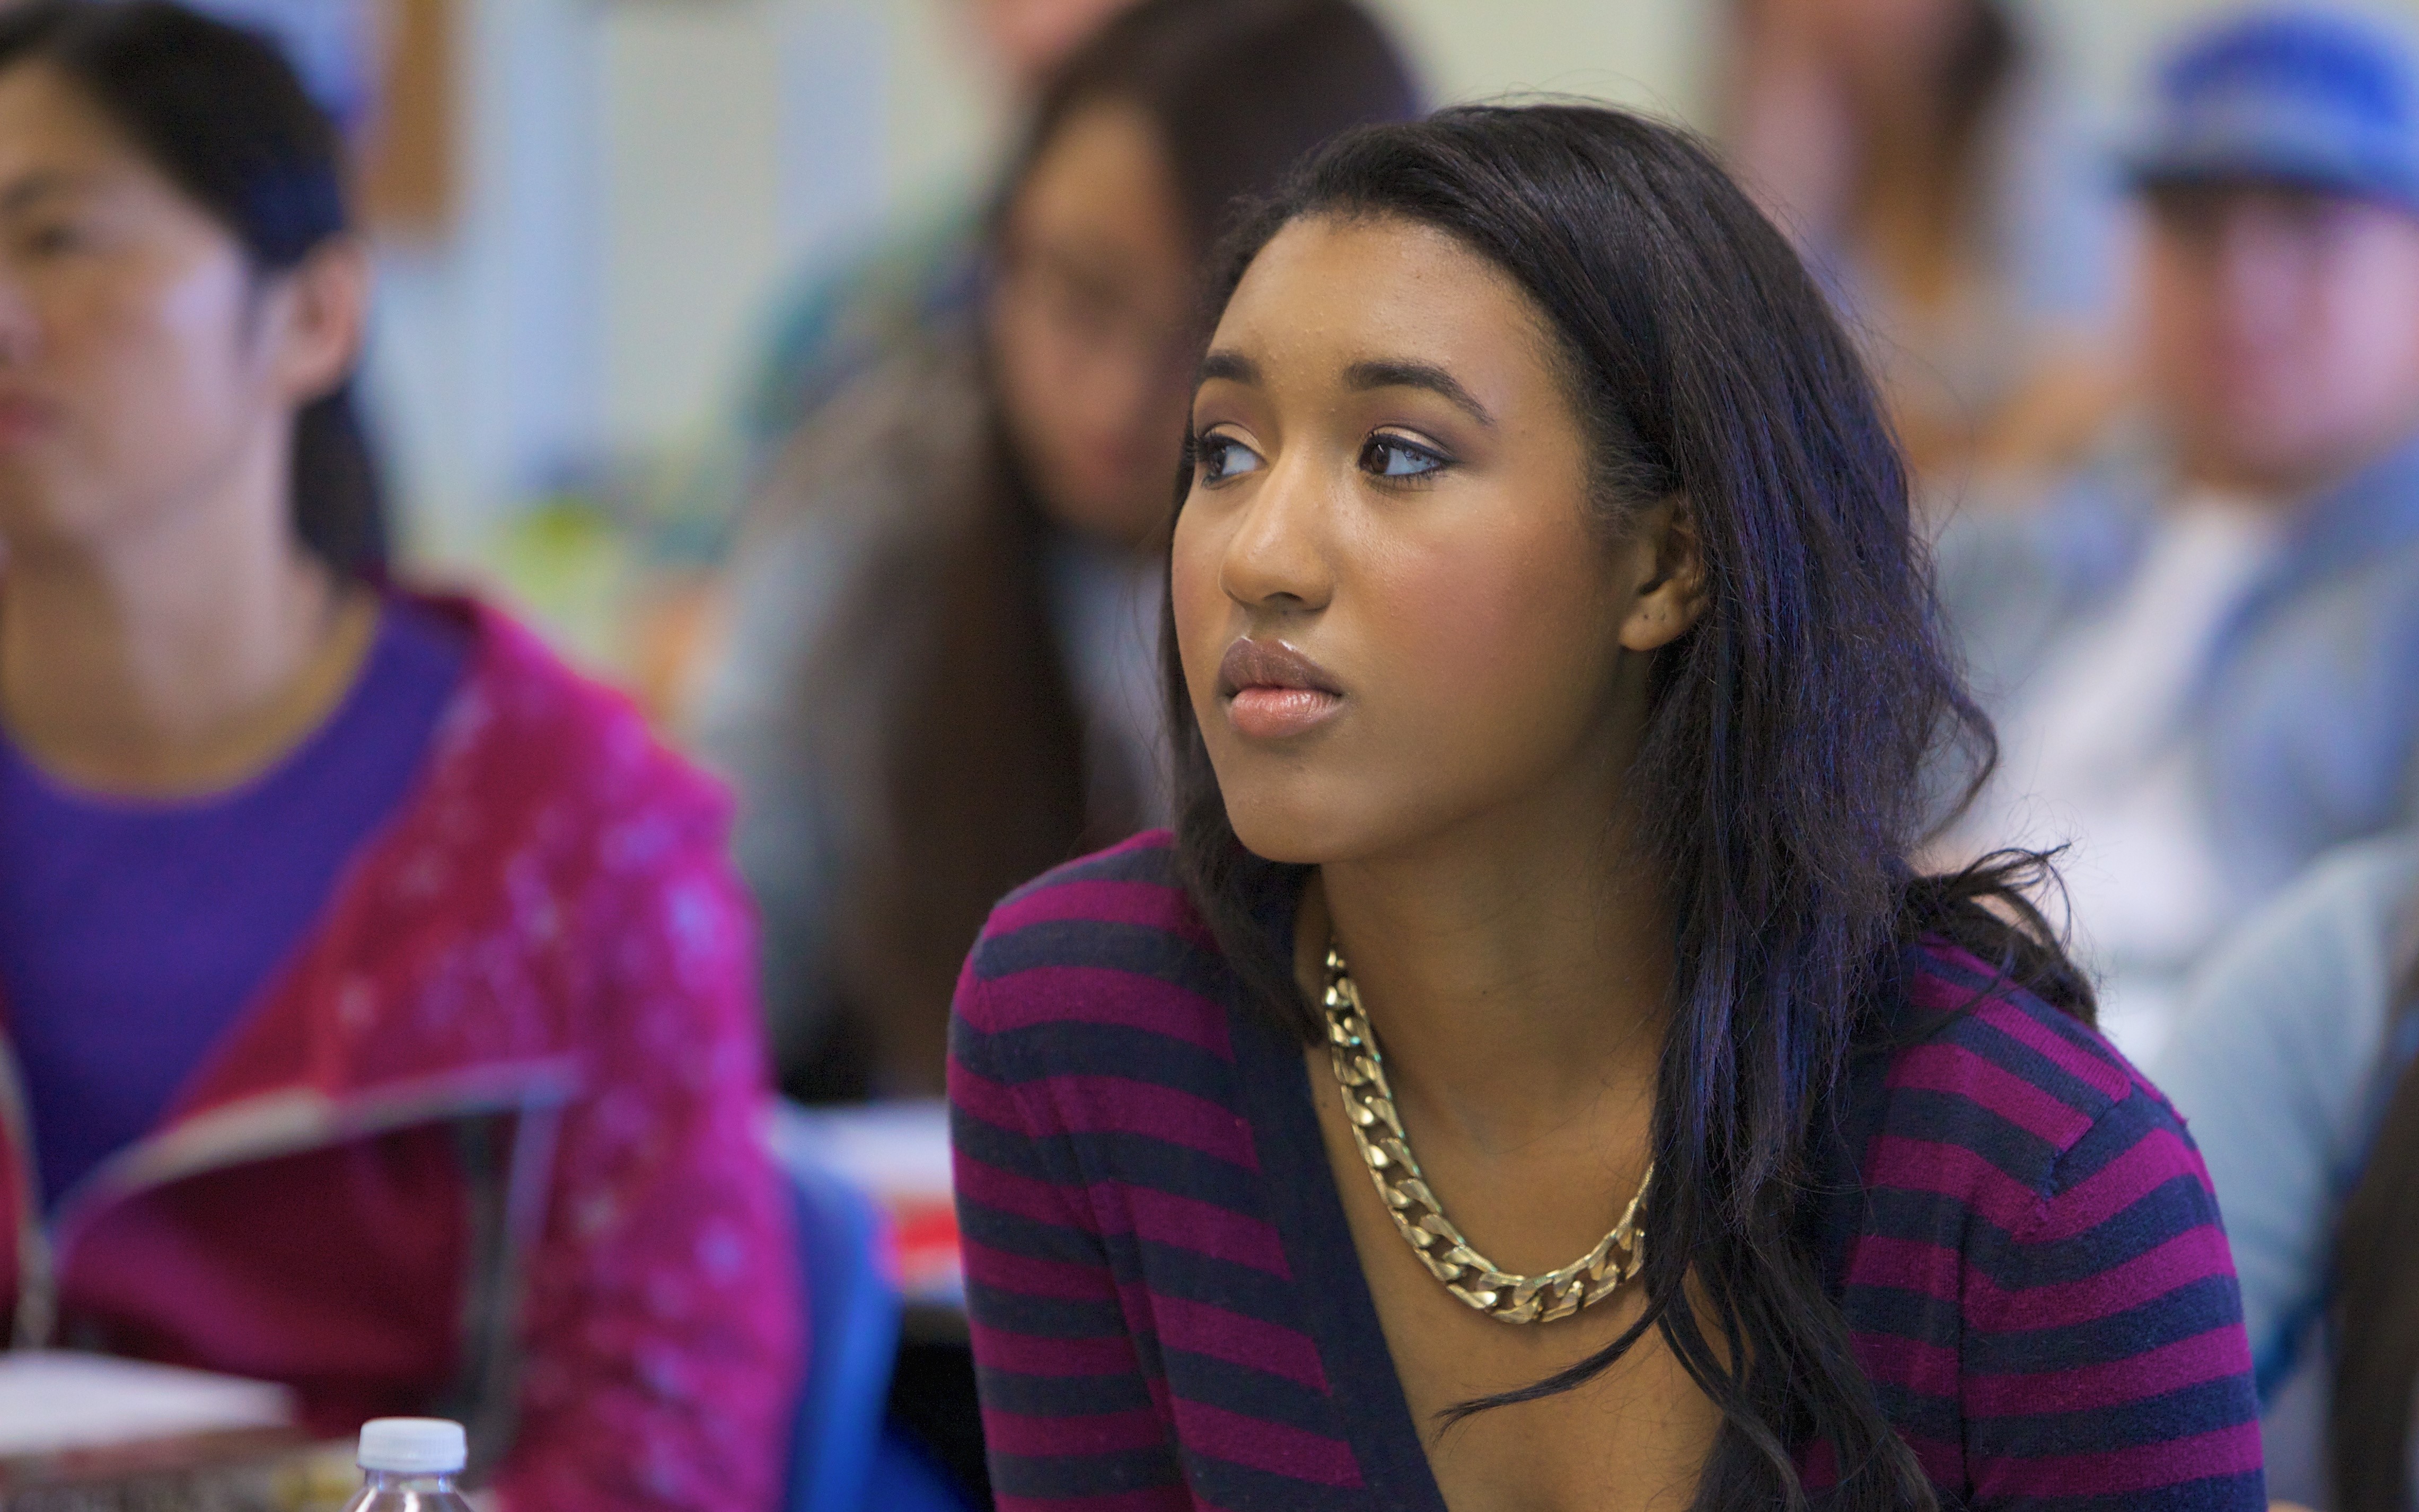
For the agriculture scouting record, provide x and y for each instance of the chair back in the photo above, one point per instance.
(853, 1321)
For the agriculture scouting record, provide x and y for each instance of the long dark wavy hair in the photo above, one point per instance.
(2377, 1296)
(982, 756)
(1781, 778)
(219, 111)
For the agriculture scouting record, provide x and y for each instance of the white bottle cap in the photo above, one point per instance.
(413, 1446)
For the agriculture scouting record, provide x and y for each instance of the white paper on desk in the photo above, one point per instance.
(899, 1150)
(54, 1400)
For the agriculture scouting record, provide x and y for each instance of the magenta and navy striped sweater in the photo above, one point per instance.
(1168, 1312)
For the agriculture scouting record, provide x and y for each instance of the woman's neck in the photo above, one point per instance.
(1513, 980)
(179, 657)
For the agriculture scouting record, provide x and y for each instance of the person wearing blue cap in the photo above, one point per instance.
(2295, 1053)
(2204, 658)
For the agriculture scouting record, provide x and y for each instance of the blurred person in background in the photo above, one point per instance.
(2296, 1059)
(1921, 156)
(939, 677)
(377, 1001)
(829, 325)
(2205, 663)
(833, 326)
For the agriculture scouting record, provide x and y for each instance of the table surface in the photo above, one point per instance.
(298, 1477)
(897, 1150)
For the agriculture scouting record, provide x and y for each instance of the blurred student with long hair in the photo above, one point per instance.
(939, 675)
(923, 270)
(377, 1000)
(1922, 155)
(1533, 1075)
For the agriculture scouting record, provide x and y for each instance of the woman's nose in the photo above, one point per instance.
(1279, 553)
(20, 327)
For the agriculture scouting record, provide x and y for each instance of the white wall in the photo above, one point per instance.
(485, 356)
(639, 178)
(1643, 55)
(692, 200)
(645, 174)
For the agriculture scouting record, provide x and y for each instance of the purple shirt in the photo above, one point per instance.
(134, 934)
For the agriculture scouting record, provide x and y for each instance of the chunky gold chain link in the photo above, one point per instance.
(1378, 1129)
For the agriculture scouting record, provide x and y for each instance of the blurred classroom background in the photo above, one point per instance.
(595, 221)
(595, 205)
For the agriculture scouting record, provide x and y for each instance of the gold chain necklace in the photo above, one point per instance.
(1378, 1129)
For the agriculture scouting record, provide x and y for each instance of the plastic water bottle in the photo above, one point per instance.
(408, 1465)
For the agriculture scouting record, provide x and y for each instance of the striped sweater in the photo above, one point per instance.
(1168, 1311)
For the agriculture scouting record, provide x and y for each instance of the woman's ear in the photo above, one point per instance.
(322, 319)
(1669, 592)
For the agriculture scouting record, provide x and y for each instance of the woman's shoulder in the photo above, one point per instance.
(528, 736)
(2281, 1060)
(2306, 984)
(1998, 1097)
(1097, 953)
(842, 551)
(559, 856)
(2039, 1279)
(916, 426)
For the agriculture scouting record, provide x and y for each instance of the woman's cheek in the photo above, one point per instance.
(1197, 603)
(1454, 626)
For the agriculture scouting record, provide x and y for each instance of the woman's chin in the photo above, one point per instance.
(1296, 833)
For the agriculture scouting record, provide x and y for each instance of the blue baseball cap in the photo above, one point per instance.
(2315, 99)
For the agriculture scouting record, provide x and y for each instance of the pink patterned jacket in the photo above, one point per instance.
(489, 1144)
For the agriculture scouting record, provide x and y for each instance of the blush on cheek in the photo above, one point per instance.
(204, 301)
(1472, 634)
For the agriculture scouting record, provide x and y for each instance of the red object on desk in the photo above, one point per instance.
(929, 1268)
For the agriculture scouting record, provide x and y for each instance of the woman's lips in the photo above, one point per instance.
(1276, 713)
(1273, 691)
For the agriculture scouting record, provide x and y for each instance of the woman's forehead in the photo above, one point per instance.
(42, 109)
(1330, 292)
(56, 140)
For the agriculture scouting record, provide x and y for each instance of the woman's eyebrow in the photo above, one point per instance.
(1232, 366)
(29, 191)
(1394, 374)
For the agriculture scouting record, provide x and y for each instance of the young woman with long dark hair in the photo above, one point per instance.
(939, 677)
(376, 992)
(1531, 1076)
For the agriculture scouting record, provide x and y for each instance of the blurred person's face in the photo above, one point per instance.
(1089, 324)
(2282, 331)
(142, 362)
(1879, 47)
(1399, 613)
(1031, 38)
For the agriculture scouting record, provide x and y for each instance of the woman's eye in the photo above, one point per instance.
(1222, 457)
(52, 239)
(1391, 456)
